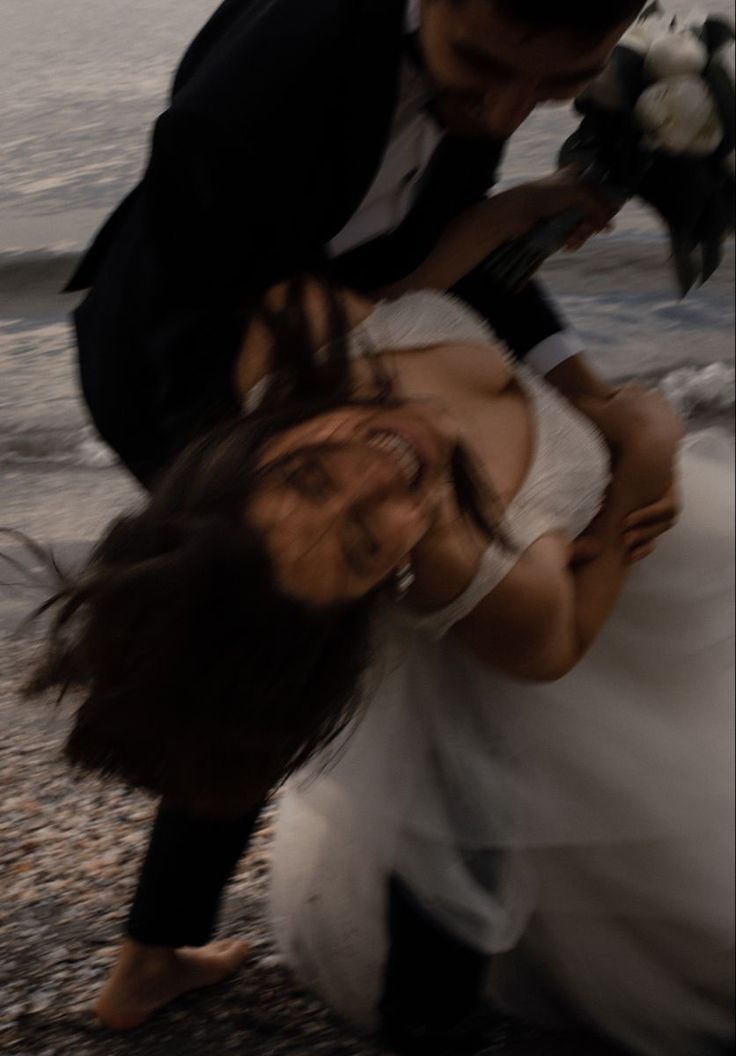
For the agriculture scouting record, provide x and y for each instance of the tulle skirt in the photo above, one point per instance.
(581, 832)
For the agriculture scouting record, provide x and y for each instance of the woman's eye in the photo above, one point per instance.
(310, 478)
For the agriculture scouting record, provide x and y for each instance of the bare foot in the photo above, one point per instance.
(145, 978)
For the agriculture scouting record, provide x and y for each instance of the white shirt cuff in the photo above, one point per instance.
(554, 350)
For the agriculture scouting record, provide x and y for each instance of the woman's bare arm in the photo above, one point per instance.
(539, 622)
(634, 418)
(474, 234)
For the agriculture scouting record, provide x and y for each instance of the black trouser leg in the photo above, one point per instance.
(432, 983)
(187, 865)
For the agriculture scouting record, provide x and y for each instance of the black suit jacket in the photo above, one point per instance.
(279, 117)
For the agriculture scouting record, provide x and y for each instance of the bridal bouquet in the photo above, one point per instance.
(658, 124)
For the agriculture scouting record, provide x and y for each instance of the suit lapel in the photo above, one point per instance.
(371, 66)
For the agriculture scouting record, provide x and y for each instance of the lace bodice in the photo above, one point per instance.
(562, 492)
(569, 470)
(416, 320)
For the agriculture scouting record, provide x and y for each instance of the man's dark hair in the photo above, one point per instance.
(586, 17)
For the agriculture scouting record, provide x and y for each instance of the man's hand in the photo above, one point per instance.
(538, 200)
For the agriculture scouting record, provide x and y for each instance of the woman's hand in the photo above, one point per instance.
(643, 432)
(639, 531)
(643, 527)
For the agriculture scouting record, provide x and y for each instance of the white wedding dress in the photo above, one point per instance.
(582, 830)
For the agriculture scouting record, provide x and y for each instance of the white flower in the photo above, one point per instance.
(642, 33)
(675, 53)
(679, 115)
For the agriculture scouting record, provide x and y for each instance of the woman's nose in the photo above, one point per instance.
(394, 520)
(380, 496)
(372, 478)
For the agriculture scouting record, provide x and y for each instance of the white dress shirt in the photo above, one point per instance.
(413, 137)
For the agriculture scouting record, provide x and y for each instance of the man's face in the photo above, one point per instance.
(490, 71)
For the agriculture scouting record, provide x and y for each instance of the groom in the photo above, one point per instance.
(339, 135)
(352, 137)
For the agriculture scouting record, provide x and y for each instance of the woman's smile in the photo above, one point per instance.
(347, 495)
(401, 452)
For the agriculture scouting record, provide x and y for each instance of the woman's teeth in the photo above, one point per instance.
(402, 451)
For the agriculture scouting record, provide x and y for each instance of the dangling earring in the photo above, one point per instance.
(403, 578)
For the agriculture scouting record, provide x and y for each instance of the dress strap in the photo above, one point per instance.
(495, 564)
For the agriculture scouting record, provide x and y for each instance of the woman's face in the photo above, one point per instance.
(347, 494)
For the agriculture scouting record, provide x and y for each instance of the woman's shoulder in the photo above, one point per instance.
(430, 317)
(460, 341)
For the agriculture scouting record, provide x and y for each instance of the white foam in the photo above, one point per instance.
(701, 390)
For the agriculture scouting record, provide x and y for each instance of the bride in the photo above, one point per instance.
(534, 811)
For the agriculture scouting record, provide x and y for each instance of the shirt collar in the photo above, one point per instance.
(411, 18)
